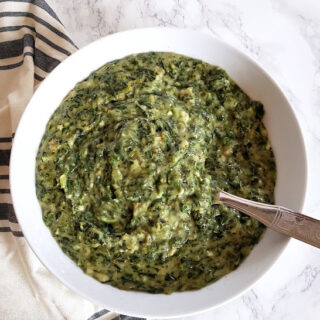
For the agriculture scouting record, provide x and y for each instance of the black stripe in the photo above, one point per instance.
(16, 65)
(38, 35)
(7, 212)
(40, 3)
(15, 28)
(4, 190)
(4, 176)
(4, 157)
(37, 77)
(34, 17)
(14, 48)
(43, 61)
(5, 139)
(98, 314)
(15, 233)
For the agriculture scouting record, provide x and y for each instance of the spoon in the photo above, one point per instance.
(277, 218)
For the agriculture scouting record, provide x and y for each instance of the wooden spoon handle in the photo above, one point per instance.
(277, 218)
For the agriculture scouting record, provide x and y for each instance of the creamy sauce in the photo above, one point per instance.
(129, 168)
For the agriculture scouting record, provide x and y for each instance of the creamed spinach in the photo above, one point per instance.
(129, 168)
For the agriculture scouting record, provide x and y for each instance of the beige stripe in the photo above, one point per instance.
(4, 223)
(43, 30)
(40, 72)
(7, 236)
(5, 145)
(36, 84)
(5, 198)
(5, 123)
(4, 184)
(13, 226)
(4, 170)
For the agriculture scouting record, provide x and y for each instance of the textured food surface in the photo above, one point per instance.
(129, 168)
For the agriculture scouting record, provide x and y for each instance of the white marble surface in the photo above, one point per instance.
(284, 36)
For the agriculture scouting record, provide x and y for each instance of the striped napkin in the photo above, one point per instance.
(32, 43)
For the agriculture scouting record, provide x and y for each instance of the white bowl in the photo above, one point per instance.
(284, 133)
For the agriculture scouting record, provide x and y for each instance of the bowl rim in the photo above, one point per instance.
(243, 55)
